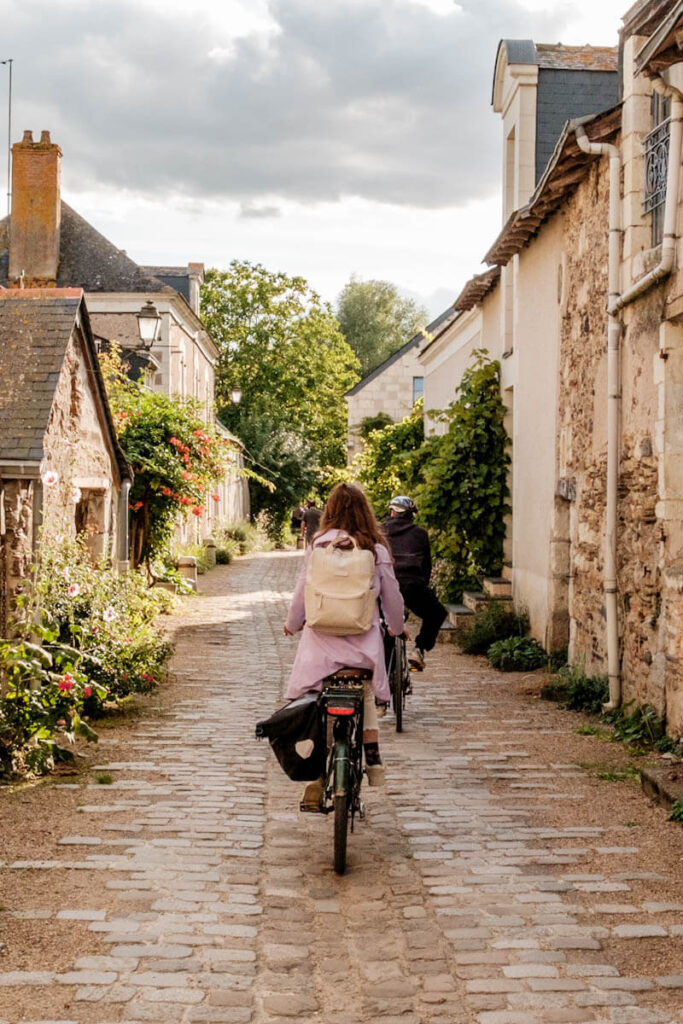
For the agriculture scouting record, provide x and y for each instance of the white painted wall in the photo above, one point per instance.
(531, 371)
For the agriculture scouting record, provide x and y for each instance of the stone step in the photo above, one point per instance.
(448, 633)
(497, 587)
(474, 600)
(458, 615)
(477, 599)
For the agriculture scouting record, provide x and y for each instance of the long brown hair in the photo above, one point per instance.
(348, 509)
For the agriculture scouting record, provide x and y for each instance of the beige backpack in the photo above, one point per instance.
(338, 596)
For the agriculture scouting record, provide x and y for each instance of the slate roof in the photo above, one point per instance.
(88, 260)
(566, 168)
(573, 81)
(35, 328)
(415, 340)
(177, 278)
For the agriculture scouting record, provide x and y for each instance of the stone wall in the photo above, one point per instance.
(582, 455)
(19, 499)
(76, 449)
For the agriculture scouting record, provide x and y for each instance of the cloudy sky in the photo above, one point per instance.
(319, 137)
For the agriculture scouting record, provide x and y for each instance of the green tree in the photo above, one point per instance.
(376, 320)
(282, 346)
(391, 460)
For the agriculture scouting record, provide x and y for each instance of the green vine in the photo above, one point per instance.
(463, 494)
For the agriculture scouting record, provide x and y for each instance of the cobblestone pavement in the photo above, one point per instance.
(216, 901)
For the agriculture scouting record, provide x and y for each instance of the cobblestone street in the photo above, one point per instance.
(488, 883)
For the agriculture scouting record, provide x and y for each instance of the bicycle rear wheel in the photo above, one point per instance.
(397, 683)
(341, 827)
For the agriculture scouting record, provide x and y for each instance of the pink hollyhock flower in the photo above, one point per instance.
(75, 495)
(74, 590)
(50, 478)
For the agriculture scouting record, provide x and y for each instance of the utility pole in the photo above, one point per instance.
(9, 62)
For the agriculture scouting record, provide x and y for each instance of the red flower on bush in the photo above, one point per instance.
(216, 497)
(66, 683)
(166, 491)
(174, 441)
(197, 510)
(87, 691)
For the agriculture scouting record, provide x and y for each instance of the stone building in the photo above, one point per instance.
(61, 467)
(45, 242)
(589, 307)
(512, 309)
(393, 387)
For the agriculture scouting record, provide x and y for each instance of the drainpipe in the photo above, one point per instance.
(613, 404)
(124, 539)
(616, 303)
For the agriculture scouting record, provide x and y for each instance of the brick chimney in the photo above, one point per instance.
(36, 212)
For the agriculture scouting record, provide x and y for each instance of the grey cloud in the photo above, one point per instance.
(250, 212)
(381, 99)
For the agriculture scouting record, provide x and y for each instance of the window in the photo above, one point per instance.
(657, 164)
(418, 388)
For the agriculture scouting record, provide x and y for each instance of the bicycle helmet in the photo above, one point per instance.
(403, 505)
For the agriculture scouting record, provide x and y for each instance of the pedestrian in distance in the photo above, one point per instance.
(413, 567)
(310, 521)
(349, 518)
(297, 519)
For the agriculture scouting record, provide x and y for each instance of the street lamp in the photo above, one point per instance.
(149, 322)
(236, 396)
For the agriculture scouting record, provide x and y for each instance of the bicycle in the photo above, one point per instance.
(342, 708)
(399, 678)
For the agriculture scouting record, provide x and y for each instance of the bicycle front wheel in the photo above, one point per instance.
(341, 828)
(397, 685)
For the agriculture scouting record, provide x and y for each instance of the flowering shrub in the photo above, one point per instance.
(45, 692)
(175, 454)
(85, 637)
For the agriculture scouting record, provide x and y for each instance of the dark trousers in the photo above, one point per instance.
(423, 602)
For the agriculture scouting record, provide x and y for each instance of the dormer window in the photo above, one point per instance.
(657, 164)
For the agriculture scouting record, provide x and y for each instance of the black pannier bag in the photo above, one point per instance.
(297, 737)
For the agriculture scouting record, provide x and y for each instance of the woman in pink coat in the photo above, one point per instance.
(348, 511)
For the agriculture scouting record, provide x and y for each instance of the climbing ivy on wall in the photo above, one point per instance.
(463, 493)
(389, 462)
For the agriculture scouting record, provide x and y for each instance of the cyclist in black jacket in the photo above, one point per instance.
(413, 568)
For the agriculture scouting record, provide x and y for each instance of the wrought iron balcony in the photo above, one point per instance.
(656, 166)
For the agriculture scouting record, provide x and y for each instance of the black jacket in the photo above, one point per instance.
(410, 548)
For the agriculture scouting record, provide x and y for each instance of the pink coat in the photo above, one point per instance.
(319, 655)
